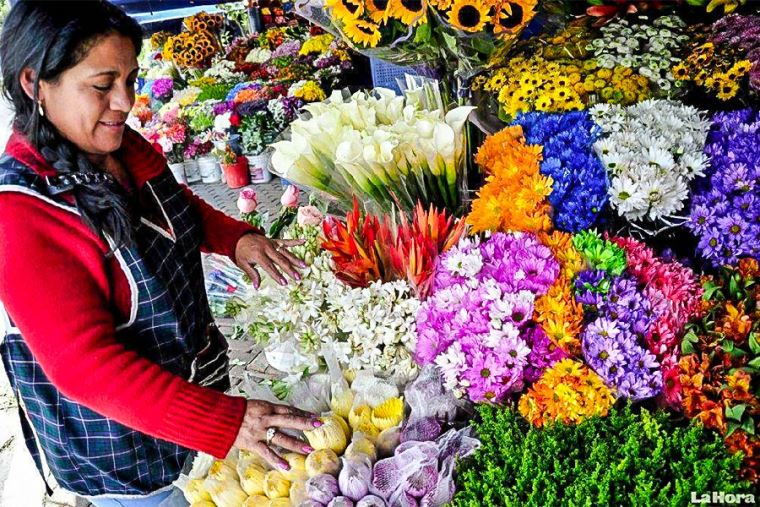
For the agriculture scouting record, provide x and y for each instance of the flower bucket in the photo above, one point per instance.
(258, 165)
(178, 170)
(192, 171)
(237, 174)
(210, 170)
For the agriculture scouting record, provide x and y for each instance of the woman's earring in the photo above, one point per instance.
(39, 108)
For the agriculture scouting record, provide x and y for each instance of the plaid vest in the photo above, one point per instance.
(170, 323)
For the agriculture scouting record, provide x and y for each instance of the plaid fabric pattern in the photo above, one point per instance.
(87, 453)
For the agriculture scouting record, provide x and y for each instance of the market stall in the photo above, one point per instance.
(532, 281)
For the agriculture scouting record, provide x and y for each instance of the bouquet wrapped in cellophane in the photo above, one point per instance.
(457, 36)
(389, 151)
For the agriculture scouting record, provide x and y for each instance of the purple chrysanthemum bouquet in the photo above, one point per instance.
(477, 326)
(725, 210)
(613, 342)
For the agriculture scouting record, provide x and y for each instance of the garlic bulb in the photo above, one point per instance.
(322, 488)
(331, 435)
(388, 414)
(203, 503)
(355, 478)
(252, 480)
(257, 501)
(276, 485)
(196, 492)
(341, 501)
(280, 502)
(297, 464)
(323, 461)
(371, 501)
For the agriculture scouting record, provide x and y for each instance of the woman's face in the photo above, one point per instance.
(89, 103)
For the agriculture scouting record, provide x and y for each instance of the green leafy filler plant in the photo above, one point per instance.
(632, 457)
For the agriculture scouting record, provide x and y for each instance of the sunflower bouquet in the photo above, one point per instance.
(394, 30)
(433, 32)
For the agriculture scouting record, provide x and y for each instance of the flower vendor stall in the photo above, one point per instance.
(562, 309)
(211, 95)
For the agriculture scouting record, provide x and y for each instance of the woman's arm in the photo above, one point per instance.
(54, 283)
(221, 232)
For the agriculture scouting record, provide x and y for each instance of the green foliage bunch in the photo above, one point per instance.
(628, 458)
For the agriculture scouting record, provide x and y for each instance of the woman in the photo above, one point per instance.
(109, 343)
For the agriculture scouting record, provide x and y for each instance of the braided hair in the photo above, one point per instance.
(51, 37)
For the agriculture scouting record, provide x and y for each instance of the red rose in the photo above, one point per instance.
(235, 120)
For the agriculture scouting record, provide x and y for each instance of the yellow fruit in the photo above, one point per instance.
(298, 493)
(203, 503)
(222, 471)
(333, 434)
(297, 464)
(323, 461)
(361, 447)
(196, 491)
(252, 480)
(227, 493)
(257, 501)
(359, 415)
(280, 502)
(276, 485)
(342, 402)
(388, 414)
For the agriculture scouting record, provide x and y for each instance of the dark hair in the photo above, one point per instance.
(51, 37)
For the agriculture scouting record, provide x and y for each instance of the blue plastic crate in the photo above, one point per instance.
(386, 74)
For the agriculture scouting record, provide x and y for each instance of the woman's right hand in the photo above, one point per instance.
(260, 416)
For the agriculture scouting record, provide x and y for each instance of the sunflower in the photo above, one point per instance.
(378, 10)
(512, 15)
(345, 10)
(742, 67)
(727, 90)
(365, 33)
(681, 72)
(441, 5)
(409, 12)
(469, 15)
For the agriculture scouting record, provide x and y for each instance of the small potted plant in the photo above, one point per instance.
(235, 167)
(254, 139)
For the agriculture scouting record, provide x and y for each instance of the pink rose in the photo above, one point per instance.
(309, 215)
(246, 202)
(289, 198)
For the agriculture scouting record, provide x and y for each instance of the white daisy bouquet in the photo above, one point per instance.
(652, 151)
(370, 328)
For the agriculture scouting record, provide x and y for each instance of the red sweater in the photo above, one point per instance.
(66, 298)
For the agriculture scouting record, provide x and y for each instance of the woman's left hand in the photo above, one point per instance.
(255, 249)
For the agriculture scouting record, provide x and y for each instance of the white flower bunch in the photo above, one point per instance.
(224, 71)
(378, 146)
(652, 49)
(258, 55)
(652, 151)
(370, 328)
